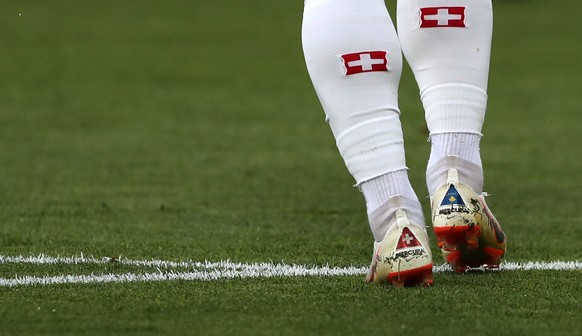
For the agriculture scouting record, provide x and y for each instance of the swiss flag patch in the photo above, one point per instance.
(366, 61)
(434, 17)
(407, 239)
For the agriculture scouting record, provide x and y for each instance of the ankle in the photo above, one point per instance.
(469, 173)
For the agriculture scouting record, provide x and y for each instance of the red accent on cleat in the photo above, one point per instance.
(467, 232)
(418, 277)
(450, 237)
(461, 247)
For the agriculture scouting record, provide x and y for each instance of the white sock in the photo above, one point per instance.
(384, 195)
(447, 44)
(455, 150)
(378, 190)
(384, 217)
(463, 145)
(354, 60)
(468, 172)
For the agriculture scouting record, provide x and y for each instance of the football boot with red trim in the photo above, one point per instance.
(467, 233)
(403, 258)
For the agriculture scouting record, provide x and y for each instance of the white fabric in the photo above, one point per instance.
(378, 190)
(362, 109)
(384, 218)
(462, 145)
(469, 174)
(450, 64)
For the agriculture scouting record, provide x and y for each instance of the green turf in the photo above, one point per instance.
(189, 130)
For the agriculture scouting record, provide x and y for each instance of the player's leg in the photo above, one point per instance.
(354, 60)
(447, 44)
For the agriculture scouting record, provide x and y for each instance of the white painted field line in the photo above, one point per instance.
(205, 265)
(77, 260)
(200, 275)
(205, 271)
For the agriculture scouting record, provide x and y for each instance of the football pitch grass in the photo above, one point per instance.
(159, 138)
